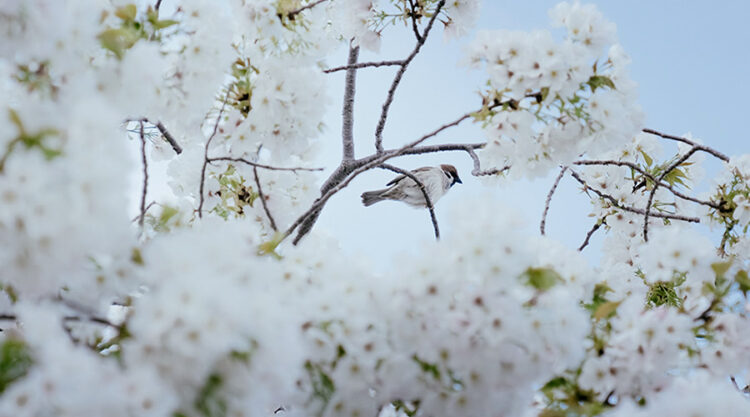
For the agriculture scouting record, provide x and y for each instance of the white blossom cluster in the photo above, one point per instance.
(555, 100)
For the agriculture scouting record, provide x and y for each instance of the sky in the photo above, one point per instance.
(690, 59)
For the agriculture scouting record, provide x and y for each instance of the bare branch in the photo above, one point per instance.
(650, 177)
(347, 113)
(614, 203)
(365, 65)
(418, 150)
(427, 199)
(146, 211)
(658, 181)
(477, 171)
(92, 319)
(413, 16)
(156, 7)
(168, 136)
(291, 15)
(144, 160)
(549, 198)
(399, 75)
(590, 233)
(345, 174)
(699, 147)
(263, 200)
(262, 166)
(205, 152)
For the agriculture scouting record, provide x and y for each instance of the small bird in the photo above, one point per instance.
(437, 181)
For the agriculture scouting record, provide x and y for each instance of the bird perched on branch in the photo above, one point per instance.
(436, 180)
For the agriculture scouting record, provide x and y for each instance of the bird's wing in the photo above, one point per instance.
(400, 177)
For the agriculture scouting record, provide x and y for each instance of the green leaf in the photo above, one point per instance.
(743, 280)
(541, 278)
(113, 40)
(721, 268)
(162, 24)
(16, 120)
(598, 81)
(167, 212)
(427, 367)
(647, 158)
(209, 402)
(555, 383)
(269, 247)
(606, 310)
(15, 361)
(136, 257)
(126, 12)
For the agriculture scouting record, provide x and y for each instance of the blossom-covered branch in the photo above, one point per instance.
(635, 210)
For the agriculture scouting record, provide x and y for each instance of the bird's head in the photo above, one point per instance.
(451, 173)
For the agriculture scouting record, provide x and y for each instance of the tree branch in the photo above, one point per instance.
(427, 199)
(347, 112)
(699, 147)
(650, 177)
(168, 136)
(156, 7)
(144, 160)
(413, 16)
(291, 15)
(263, 200)
(262, 166)
(590, 233)
(205, 152)
(658, 181)
(549, 198)
(345, 174)
(399, 75)
(614, 202)
(365, 65)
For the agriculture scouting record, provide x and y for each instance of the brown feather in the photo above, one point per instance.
(400, 177)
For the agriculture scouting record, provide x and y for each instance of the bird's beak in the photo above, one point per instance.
(458, 180)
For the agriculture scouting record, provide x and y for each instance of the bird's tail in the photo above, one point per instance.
(371, 197)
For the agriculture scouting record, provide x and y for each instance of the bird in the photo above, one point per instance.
(437, 181)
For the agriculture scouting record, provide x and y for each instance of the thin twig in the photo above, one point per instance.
(262, 166)
(158, 4)
(650, 177)
(399, 75)
(658, 181)
(147, 207)
(92, 319)
(347, 112)
(696, 145)
(291, 15)
(413, 16)
(549, 198)
(590, 233)
(168, 136)
(365, 65)
(205, 152)
(614, 202)
(144, 160)
(427, 199)
(263, 200)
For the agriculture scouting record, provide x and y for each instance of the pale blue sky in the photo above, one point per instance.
(690, 59)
